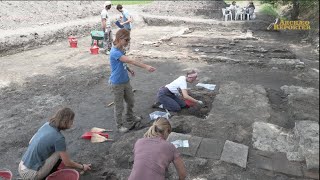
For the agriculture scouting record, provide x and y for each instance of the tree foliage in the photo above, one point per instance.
(297, 6)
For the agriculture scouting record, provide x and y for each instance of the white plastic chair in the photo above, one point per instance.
(226, 15)
(249, 14)
(239, 14)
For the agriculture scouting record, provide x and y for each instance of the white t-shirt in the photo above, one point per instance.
(179, 83)
(105, 15)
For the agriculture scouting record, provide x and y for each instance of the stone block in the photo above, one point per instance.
(312, 161)
(310, 174)
(194, 142)
(245, 104)
(281, 164)
(235, 153)
(259, 160)
(210, 148)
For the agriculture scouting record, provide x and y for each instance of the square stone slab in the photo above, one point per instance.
(260, 160)
(281, 164)
(235, 153)
(210, 148)
(194, 142)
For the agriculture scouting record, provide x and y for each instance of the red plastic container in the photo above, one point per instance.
(88, 135)
(64, 174)
(73, 41)
(189, 103)
(95, 48)
(5, 174)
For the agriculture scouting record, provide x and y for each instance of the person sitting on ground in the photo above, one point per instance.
(153, 154)
(120, 81)
(271, 26)
(106, 27)
(169, 97)
(46, 148)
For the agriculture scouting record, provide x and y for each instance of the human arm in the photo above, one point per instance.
(127, 60)
(128, 17)
(128, 21)
(104, 24)
(69, 163)
(186, 96)
(130, 71)
(179, 165)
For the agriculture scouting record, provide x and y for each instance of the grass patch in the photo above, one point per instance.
(269, 10)
(115, 2)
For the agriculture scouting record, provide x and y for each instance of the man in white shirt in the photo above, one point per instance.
(106, 27)
(169, 96)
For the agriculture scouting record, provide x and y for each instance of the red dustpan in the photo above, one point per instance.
(88, 135)
(5, 174)
(64, 174)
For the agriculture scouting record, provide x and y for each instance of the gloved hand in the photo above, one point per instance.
(200, 102)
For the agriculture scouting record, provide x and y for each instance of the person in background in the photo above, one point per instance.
(153, 154)
(120, 81)
(47, 147)
(125, 20)
(250, 9)
(169, 96)
(106, 27)
(271, 25)
(232, 9)
(251, 5)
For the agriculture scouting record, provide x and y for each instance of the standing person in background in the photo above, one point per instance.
(106, 27)
(46, 148)
(153, 154)
(172, 96)
(125, 20)
(232, 9)
(120, 81)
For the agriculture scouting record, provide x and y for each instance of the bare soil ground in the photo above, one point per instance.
(35, 83)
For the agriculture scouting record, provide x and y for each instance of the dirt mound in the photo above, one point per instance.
(26, 14)
(204, 9)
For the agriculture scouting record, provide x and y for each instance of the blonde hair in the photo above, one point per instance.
(161, 127)
(62, 119)
(121, 34)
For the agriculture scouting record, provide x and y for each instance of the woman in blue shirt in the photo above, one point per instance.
(120, 82)
(47, 147)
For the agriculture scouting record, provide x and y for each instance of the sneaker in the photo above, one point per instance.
(156, 105)
(123, 129)
(107, 52)
(135, 125)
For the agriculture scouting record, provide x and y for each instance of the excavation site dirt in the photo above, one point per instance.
(261, 121)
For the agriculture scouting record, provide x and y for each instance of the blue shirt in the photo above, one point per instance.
(119, 74)
(126, 16)
(44, 143)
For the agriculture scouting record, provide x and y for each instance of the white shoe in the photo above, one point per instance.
(123, 129)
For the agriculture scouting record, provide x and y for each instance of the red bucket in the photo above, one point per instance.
(5, 174)
(64, 174)
(94, 49)
(73, 41)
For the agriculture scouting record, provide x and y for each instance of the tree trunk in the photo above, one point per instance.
(295, 10)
